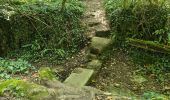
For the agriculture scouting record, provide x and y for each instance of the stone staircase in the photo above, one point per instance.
(98, 31)
(95, 19)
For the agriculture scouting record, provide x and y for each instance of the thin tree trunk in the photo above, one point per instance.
(149, 45)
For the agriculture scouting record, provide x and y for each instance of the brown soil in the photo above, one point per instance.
(118, 70)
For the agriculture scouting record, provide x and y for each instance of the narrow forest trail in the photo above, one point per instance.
(117, 74)
(95, 18)
(117, 71)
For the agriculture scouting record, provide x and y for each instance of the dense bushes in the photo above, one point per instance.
(41, 28)
(144, 19)
(154, 65)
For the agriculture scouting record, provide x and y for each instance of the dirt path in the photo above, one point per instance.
(95, 17)
(95, 21)
(118, 71)
(117, 74)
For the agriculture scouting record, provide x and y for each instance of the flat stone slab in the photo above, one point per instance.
(79, 77)
(98, 44)
(94, 64)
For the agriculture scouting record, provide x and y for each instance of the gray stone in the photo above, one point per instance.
(92, 22)
(91, 56)
(79, 77)
(98, 44)
(94, 64)
(102, 31)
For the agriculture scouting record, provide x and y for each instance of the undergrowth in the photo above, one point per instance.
(9, 68)
(40, 30)
(146, 20)
(151, 64)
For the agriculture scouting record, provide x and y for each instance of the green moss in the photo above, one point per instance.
(23, 89)
(46, 73)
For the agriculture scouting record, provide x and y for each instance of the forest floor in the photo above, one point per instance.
(118, 73)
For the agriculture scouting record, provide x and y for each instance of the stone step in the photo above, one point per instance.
(92, 22)
(95, 65)
(79, 77)
(91, 56)
(98, 44)
(102, 31)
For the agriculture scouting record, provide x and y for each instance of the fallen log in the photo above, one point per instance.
(149, 45)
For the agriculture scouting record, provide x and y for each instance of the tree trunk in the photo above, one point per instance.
(149, 45)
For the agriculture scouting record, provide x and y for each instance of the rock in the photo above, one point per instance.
(92, 22)
(117, 85)
(79, 77)
(102, 31)
(59, 91)
(24, 89)
(95, 65)
(91, 56)
(98, 44)
(46, 73)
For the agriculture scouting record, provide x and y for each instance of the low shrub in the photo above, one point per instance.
(151, 64)
(144, 19)
(13, 67)
(41, 28)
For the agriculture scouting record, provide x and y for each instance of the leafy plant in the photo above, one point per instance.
(153, 96)
(156, 65)
(11, 67)
(13, 91)
(43, 30)
(138, 19)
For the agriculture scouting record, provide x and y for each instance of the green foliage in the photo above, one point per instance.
(20, 2)
(154, 96)
(42, 30)
(146, 20)
(46, 74)
(138, 19)
(151, 64)
(11, 67)
(21, 89)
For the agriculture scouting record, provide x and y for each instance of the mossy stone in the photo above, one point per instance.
(94, 64)
(46, 73)
(24, 89)
(98, 45)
